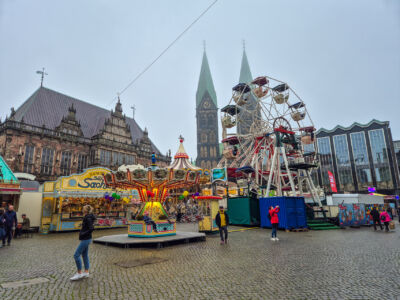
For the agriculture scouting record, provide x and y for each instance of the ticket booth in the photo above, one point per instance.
(208, 208)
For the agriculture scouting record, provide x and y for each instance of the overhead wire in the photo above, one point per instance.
(164, 51)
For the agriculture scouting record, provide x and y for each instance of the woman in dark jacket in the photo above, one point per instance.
(85, 236)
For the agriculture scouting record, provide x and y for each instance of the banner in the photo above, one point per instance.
(332, 182)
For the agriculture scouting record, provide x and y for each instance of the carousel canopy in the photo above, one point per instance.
(181, 159)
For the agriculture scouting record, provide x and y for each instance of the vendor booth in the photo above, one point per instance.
(208, 208)
(244, 211)
(64, 199)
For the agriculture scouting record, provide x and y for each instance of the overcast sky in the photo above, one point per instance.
(342, 57)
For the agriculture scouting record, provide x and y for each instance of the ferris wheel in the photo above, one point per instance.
(268, 131)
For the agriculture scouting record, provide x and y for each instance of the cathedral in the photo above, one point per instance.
(52, 135)
(208, 146)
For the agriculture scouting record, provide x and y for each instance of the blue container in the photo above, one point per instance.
(292, 213)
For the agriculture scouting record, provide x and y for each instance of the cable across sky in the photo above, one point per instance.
(164, 51)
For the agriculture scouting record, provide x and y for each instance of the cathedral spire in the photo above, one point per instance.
(245, 73)
(206, 84)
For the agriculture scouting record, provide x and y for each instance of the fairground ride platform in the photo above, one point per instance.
(124, 241)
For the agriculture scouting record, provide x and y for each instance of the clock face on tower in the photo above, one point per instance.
(207, 104)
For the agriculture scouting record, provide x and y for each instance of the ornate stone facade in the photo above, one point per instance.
(51, 150)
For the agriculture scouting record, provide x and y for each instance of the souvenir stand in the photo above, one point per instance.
(152, 185)
(64, 199)
(208, 207)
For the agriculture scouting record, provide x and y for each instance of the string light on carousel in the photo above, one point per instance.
(152, 185)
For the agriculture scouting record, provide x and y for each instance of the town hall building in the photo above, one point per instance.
(52, 135)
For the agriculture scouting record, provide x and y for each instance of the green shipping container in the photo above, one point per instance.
(244, 211)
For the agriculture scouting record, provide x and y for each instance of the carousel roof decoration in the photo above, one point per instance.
(181, 158)
(152, 184)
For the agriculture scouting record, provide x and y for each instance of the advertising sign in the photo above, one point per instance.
(91, 179)
(332, 182)
(219, 174)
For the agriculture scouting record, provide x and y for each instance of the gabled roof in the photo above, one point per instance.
(353, 125)
(245, 73)
(48, 107)
(205, 83)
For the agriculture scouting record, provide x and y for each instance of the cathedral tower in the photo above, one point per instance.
(252, 112)
(207, 119)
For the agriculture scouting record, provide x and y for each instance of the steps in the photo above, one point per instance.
(321, 225)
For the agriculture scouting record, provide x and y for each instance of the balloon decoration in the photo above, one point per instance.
(197, 194)
(150, 194)
(181, 197)
(185, 193)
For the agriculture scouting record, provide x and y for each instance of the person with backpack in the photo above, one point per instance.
(274, 219)
(385, 218)
(376, 218)
(85, 236)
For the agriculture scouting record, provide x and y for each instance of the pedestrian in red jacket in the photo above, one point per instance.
(273, 216)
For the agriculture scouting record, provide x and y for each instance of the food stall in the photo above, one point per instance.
(208, 208)
(64, 199)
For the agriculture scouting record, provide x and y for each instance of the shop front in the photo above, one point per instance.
(64, 199)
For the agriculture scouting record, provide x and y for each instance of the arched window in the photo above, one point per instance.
(204, 138)
(212, 136)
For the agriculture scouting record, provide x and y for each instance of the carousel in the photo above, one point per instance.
(152, 184)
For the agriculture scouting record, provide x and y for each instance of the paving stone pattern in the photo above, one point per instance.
(337, 264)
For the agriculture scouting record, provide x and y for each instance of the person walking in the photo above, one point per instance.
(376, 218)
(85, 236)
(222, 221)
(273, 216)
(10, 225)
(2, 225)
(385, 219)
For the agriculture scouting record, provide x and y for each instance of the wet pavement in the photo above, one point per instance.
(336, 264)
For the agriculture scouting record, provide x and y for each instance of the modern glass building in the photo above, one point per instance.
(359, 156)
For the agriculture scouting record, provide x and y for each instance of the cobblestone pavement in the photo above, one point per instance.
(337, 264)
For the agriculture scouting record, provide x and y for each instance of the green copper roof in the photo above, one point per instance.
(205, 83)
(6, 174)
(245, 73)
